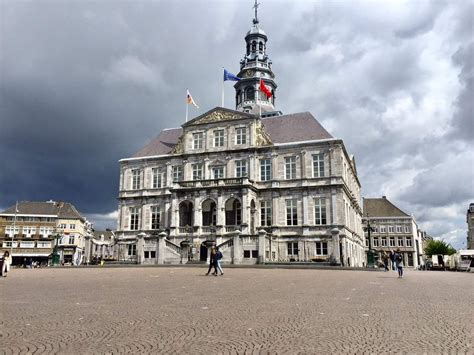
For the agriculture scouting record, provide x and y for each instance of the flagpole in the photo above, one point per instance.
(259, 105)
(222, 96)
(187, 109)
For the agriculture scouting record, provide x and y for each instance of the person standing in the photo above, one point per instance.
(219, 262)
(7, 260)
(212, 262)
(399, 263)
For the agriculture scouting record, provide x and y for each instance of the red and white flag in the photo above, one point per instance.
(265, 89)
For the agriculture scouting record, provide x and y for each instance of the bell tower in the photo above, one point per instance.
(255, 66)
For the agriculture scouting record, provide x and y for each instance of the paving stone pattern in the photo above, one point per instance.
(179, 310)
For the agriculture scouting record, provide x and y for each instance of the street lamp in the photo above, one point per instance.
(55, 250)
(370, 253)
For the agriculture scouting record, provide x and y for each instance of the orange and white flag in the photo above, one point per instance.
(190, 100)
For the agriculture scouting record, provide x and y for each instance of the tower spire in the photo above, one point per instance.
(255, 67)
(255, 6)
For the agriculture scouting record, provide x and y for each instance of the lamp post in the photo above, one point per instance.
(370, 253)
(55, 250)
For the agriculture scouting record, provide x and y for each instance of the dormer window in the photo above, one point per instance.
(241, 135)
(198, 140)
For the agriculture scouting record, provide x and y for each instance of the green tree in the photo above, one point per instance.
(439, 247)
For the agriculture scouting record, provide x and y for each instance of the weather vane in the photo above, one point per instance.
(255, 20)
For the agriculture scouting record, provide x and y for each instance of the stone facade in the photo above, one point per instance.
(393, 229)
(470, 227)
(263, 186)
(39, 228)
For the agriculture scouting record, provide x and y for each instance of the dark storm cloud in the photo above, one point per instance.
(84, 84)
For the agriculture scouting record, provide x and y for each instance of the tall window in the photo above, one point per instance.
(383, 229)
(266, 213)
(71, 239)
(291, 213)
(198, 140)
(240, 168)
(318, 165)
(158, 178)
(376, 242)
(292, 248)
(241, 135)
(391, 229)
(219, 138)
(218, 172)
(197, 171)
(155, 217)
(320, 211)
(321, 248)
(290, 168)
(265, 169)
(177, 173)
(409, 243)
(250, 93)
(392, 241)
(400, 241)
(132, 249)
(399, 229)
(134, 213)
(407, 229)
(384, 242)
(136, 179)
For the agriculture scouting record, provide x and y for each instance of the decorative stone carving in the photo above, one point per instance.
(179, 147)
(219, 116)
(262, 137)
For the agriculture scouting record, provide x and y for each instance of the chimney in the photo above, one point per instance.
(384, 197)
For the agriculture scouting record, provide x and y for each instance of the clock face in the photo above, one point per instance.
(249, 73)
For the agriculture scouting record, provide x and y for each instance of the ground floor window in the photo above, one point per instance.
(150, 254)
(321, 248)
(132, 249)
(292, 248)
(251, 254)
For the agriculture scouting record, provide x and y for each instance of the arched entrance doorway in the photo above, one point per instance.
(209, 213)
(186, 214)
(233, 212)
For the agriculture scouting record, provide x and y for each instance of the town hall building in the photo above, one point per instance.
(263, 186)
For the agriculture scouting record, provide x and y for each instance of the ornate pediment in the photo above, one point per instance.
(262, 137)
(218, 115)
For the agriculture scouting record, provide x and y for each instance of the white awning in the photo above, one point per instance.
(31, 254)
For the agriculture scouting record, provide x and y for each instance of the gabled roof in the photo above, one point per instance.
(50, 208)
(296, 127)
(381, 207)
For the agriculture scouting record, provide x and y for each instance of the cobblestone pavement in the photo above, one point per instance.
(179, 310)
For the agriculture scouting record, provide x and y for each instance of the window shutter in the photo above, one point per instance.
(147, 219)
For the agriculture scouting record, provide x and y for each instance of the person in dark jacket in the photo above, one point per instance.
(218, 262)
(212, 262)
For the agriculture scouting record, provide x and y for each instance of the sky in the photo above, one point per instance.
(86, 83)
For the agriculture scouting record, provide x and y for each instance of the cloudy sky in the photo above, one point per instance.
(86, 83)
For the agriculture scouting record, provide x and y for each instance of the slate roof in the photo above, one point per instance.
(60, 209)
(296, 127)
(381, 207)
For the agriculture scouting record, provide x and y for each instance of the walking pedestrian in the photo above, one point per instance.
(218, 261)
(385, 259)
(399, 263)
(392, 260)
(212, 262)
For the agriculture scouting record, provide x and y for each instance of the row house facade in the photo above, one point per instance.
(264, 186)
(393, 229)
(32, 230)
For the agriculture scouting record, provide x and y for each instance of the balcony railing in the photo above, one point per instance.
(212, 182)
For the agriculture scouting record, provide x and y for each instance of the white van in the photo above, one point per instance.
(466, 260)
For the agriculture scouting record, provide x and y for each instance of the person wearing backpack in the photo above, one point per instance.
(212, 262)
(218, 262)
(399, 262)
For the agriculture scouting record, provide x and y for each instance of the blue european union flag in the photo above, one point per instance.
(229, 76)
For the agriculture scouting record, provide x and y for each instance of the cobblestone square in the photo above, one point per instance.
(251, 310)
